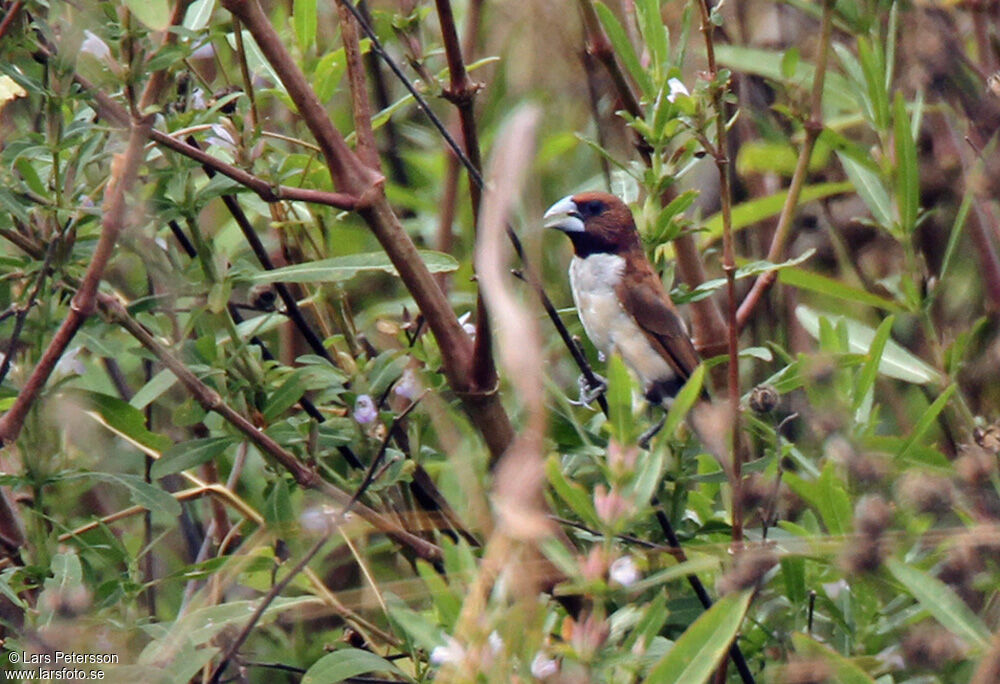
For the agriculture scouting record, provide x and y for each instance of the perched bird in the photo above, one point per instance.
(621, 302)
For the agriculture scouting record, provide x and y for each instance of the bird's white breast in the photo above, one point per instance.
(608, 325)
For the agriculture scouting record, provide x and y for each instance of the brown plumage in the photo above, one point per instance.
(620, 299)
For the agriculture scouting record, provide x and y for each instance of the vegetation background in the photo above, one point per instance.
(288, 373)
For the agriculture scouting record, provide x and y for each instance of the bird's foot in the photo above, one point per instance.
(589, 392)
(646, 437)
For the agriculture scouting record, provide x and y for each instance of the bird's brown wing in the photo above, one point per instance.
(647, 302)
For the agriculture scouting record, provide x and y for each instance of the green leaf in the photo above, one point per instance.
(874, 75)
(767, 63)
(828, 496)
(814, 282)
(907, 174)
(619, 395)
(120, 416)
(447, 603)
(346, 663)
(927, 420)
(654, 32)
(337, 269)
(304, 17)
(572, 494)
(869, 187)
(256, 61)
(190, 454)
(701, 647)
(155, 14)
(866, 378)
(943, 603)
(141, 493)
(623, 49)
(684, 400)
(290, 391)
(897, 362)
(756, 210)
(843, 671)
(198, 14)
(156, 386)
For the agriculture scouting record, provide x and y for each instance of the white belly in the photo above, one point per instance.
(607, 324)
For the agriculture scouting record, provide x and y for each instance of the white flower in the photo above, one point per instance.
(543, 666)
(624, 571)
(469, 328)
(94, 46)
(364, 409)
(676, 88)
(833, 589)
(408, 385)
(69, 364)
(495, 642)
(451, 653)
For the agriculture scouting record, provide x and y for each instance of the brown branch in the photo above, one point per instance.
(365, 148)
(125, 168)
(8, 18)
(262, 606)
(729, 267)
(210, 400)
(813, 128)
(351, 175)
(461, 92)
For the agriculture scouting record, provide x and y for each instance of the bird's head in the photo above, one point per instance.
(596, 222)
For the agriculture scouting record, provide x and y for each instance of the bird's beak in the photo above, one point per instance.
(564, 216)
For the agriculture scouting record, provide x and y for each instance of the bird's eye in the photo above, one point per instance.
(593, 207)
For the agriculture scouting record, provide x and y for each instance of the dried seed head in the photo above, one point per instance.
(929, 646)
(988, 437)
(975, 466)
(872, 515)
(805, 671)
(748, 571)
(925, 493)
(863, 555)
(764, 399)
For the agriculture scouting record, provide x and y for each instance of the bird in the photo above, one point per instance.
(619, 298)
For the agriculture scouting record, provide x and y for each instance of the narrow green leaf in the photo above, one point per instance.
(446, 601)
(141, 493)
(304, 16)
(648, 477)
(814, 282)
(869, 187)
(120, 416)
(756, 210)
(342, 268)
(654, 32)
(684, 400)
(907, 174)
(623, 48)
(198, 14)
(289, 392)
(956, 232)
(152, 390)
(190, 454)
(767, 63)
(927, 420)
(572, 494)
(256, 61)
(619, 395)
(843, 670)
(701, 647)
(155, 14)
(943, 603)
(897, 362)
(866, 378)
(874, 73)
(346, 663)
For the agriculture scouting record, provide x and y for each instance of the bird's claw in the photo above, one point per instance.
(590, 391)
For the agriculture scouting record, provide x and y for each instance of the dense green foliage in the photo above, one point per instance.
(177, 493)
